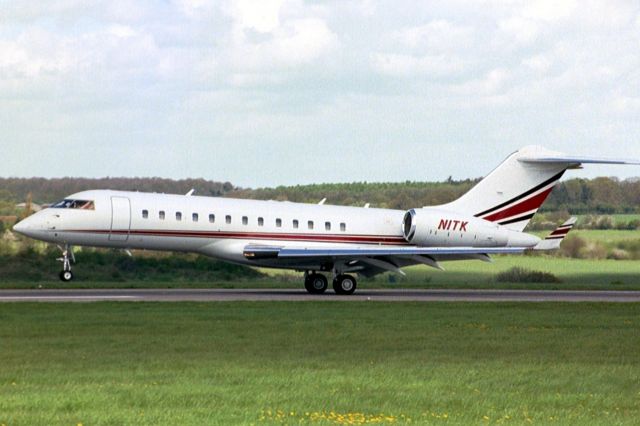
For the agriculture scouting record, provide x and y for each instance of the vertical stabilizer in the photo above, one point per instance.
(514, 191)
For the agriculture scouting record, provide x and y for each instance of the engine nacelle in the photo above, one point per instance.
(428, 227)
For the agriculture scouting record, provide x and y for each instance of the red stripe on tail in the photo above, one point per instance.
(527, 205)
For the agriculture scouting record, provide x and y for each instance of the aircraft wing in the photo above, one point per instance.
(370, 261)
(258, 251)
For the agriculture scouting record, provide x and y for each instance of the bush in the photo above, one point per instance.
(523, 275)
(619, 254)
(605, 222)
(572, 246)
(595, 250)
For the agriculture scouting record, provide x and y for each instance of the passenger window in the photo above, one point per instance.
(194, 217)
(161, 214)
(178, 216)
(260, 221)
(295, 223)
(227, 219)
(310, 224)
(343, 226)
(145, 214)
(245, 220)
(212, 218)
(327, 226)
(279, 223)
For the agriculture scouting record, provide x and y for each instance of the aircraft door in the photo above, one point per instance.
(120, 219)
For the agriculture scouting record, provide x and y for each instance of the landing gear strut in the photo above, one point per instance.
(315, 283)
(67, 257)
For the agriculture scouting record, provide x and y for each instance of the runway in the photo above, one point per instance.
(257, 295)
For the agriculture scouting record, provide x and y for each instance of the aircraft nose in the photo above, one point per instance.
(20, 227)
(27, 227)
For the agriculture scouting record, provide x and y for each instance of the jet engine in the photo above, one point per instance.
(428, 227)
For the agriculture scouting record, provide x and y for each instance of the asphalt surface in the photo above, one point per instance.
(399, 295)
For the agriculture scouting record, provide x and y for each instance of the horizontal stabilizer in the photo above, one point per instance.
(570, 159)
(553, 240)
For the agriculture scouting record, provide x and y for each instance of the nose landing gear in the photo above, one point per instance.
(67, 258)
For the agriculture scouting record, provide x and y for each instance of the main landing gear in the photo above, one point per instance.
(344, 284)
(317, 283)
(67, 258)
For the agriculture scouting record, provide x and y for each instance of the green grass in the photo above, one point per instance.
(573, 273)
(617, 218)
(596, 235)
(607, 237)
(286, 363)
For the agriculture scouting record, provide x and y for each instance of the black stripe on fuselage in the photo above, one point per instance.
(521, 196)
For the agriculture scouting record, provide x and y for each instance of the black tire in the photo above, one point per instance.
(66, 276)
(344, 284)
(316, 283)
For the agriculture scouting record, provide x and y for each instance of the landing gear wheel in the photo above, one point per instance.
(66, 276)
(67, 257)
(316, 283)
(344, 284)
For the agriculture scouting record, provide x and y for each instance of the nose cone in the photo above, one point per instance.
(20, 227)
(521, 239)
(28, 227)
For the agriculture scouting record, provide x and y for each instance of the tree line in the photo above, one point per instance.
(601, 195)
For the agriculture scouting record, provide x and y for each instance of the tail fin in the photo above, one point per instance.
(554, 239)
(514, 191)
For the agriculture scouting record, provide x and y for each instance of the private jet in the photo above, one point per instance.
(319, 239)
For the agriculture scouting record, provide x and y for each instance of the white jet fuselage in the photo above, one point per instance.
(222, 227)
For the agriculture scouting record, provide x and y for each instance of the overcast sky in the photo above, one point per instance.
(271, 92)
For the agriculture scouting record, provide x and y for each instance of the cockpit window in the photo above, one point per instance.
(74, 204)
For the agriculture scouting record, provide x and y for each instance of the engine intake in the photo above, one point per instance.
(409, 225)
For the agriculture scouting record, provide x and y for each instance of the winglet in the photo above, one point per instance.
(553, 240)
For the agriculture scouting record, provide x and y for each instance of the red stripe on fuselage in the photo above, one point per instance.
(366, 239)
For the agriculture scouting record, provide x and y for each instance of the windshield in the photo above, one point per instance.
(74, 204)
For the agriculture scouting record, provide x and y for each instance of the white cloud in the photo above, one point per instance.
(407, 65)
(437, 35)
(262, 16)
(295, 42)
(519, 30)
(549, 10)
(539, 63)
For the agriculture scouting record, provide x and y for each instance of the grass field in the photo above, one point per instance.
(324, 363)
